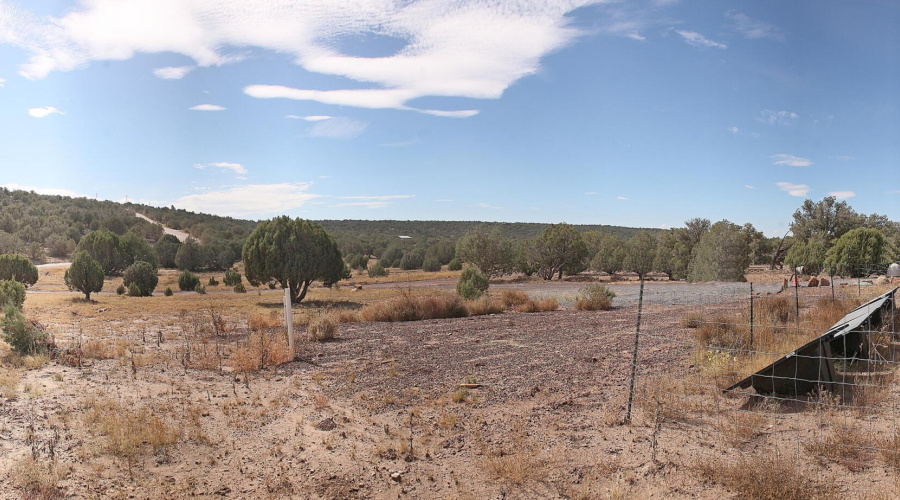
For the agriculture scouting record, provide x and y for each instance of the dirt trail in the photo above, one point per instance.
(181, 235)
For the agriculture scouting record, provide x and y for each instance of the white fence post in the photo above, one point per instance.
(289, 319)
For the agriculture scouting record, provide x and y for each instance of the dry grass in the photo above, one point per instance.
(890, 450)
(323, 327)
(408, 307)
(517, 463)
(38, 481)
(258, 321)
(543, 305)
(258, 351)
(485, 305)
(9, 382)
(782, 308)
(595, 298)
(693, 319)
(740, 427)
(513, 298)
(103, 349)
(764, 478)
(845, 443)
(129, 433)
(723, 331)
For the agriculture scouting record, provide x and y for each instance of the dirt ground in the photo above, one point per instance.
(511, 405)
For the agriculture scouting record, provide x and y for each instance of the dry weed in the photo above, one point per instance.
(9, 382)
(595, 298)
(543, 305)
(765, 478)
(844, 443)
(323, 327)
(485, 305)
(741, 427)
(257, 321)
(38, 481)
(693, 319)
(513, 298)
(407, 307)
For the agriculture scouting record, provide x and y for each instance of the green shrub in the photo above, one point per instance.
(168, 292)
(85, 274)
(200, 289)
(454, 265)
(121, 290)
(212, 281)
(411, 261)
(21, 337)
(239, 288)
(188, 281)
(142, 276)
(472, 283)
(595, 298)
(357, 261)
(12, 292)
(17, 267)
(377, 270)
(431, 265)
(232, 277)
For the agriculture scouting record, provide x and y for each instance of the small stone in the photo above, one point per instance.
(396, 477)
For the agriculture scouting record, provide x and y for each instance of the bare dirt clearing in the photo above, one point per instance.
(510, 405)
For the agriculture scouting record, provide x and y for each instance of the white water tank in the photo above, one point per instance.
(893, 270)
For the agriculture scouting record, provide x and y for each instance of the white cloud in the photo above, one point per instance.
(698, 40)
(782, 117)
(2, 82)
(172, 72)
(793, 189)
(842, 195)
(487, 205)
(249, 200)
(636, 36)
(44, 112)
(206, 107)
(469, 48)
(753, 28)
(623, 198)
(338, 128)
(463, 113)
(844, 158)
(790, 160)
(399, 144)
(235, 167)
(444, 200)
(748, 186)
(317, 118)
(734, 130)
(370, 201)
(44, 190)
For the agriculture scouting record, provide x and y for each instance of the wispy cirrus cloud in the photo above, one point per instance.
(698, 40)
(623, 198)
(44, 112)
(2, 82)
(842, 195)
(234, 167)
(470, 48)
(488, 206)
(748, 186)
(338, 128)
(734, 130)
(753, 28)
(790, 160)
(794, 189)
(249, 200)
(207, 107)
(782, 117)
(172, 72)
(370, 201)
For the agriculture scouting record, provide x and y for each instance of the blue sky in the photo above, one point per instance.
(627, 113)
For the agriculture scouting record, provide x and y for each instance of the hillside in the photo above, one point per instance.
(41, 225)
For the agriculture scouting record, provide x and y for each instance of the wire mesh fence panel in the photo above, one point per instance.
(766, 381)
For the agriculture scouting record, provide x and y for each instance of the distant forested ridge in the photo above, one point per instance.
(39, 225)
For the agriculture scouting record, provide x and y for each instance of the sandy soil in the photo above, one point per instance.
(510, 405)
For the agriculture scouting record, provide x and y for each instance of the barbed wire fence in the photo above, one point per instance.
(690, 346)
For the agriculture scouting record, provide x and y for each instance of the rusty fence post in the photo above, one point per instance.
(637, 334)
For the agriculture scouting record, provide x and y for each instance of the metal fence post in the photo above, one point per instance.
(751, 315)
(289, 319)
(797, 299)
(637, 333)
